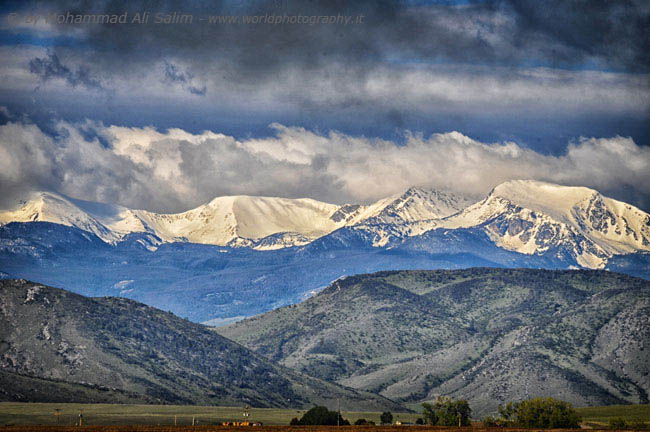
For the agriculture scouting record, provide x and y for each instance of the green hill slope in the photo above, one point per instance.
(60, 346)
(488, 335)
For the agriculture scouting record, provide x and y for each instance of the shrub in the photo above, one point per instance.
(491, 422)
(637, 425)
(360, 422)
(620, 423)
(617, 423)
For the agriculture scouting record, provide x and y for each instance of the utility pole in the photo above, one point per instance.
(338, 417)
(175, 415)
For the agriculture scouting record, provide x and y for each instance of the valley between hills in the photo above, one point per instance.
(380, 341)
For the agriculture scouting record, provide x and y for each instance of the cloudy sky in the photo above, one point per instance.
(458, 95)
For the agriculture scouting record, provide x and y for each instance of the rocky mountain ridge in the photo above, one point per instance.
(60, 346)
(488, 335)
(261, 223)
(574, 224)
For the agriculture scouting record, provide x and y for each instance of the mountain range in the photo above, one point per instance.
(378, 341)
(239, 256)
(57, 346)
(239, 221)
(525, 216)
(485, 335)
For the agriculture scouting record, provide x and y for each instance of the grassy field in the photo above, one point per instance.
(603, 414)
(12, 413)
(268, 429)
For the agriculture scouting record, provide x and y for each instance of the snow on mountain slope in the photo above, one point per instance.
(240, 221)
(233, 218)
(50, 207)
(414, 205)
(533, 217)
(574, 224)
(408, 214)
(120, 220)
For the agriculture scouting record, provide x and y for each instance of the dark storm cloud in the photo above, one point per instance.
(50, 67)
(614, 33)
(492, 69)
(595, 33)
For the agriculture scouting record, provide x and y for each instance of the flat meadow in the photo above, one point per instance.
(62, 417)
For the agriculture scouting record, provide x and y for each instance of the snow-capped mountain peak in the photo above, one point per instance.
(407, 214)
(573, 224)
(534, 217)
(554, 200)
(413, 205)
(226, 219)
(258, 222)
(229, 220)
(55, 208)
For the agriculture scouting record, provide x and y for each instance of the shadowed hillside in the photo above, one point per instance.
(60, 346)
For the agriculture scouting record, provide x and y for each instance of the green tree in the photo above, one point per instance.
(386, 417)
(429, 414)
(361, 422)
(546, 413)
(320, 415)
(447, 412)
(508, 411)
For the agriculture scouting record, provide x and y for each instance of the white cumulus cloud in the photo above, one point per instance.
(175, 170)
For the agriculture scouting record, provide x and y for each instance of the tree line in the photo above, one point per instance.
(548, 413)
(443, 411)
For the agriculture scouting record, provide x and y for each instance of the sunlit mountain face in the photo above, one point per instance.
(529, 217)
(222, 159)
(239, 255)
(238, 220)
